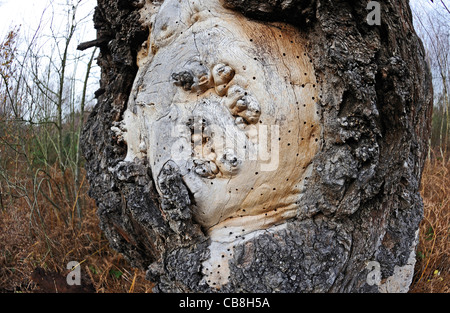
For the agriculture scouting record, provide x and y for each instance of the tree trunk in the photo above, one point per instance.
(347, 106)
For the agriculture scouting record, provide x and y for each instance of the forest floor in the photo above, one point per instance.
(34, 257)
(432, 271)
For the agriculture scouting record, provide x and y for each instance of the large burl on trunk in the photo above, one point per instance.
(260, 146)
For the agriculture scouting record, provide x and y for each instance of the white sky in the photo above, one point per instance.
(27, 13)
(16, 12)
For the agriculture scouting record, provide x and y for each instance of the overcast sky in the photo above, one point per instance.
(27, 13)
(15, 12)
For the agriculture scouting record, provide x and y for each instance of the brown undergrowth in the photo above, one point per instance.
(36, 246)
(432, 271)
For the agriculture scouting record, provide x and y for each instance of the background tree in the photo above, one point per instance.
(44, 86)
(432, 23)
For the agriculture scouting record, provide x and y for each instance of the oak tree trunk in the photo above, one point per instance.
(354, 227)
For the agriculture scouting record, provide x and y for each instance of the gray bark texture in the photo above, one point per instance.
(362, 200)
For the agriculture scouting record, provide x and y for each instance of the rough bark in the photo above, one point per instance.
(361, 202)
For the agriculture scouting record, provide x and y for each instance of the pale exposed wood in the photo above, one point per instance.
(224, 77)
(236, 113)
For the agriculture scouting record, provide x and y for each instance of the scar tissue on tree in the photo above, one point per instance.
(200, 65)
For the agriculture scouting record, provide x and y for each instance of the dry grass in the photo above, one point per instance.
(432, 273)
(25, 244)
